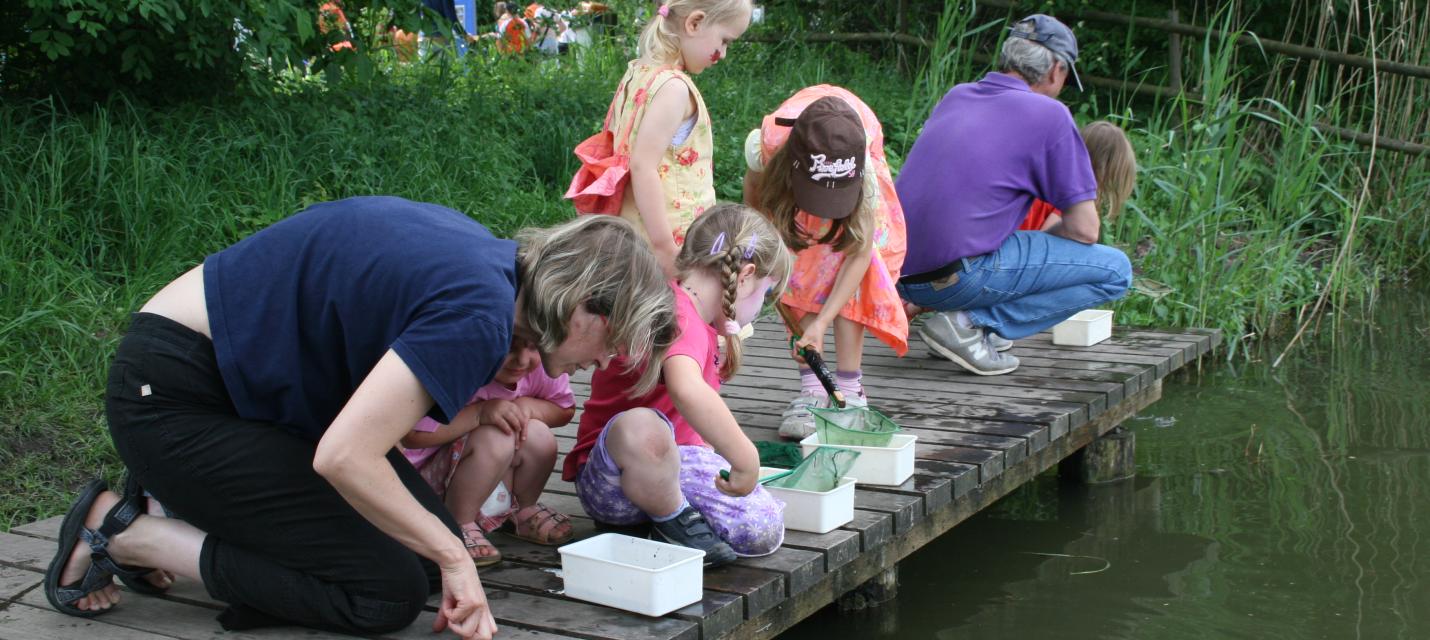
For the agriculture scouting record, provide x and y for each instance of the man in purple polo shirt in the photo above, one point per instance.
(989, 148)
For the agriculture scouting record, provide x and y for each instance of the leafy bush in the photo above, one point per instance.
(84, 50)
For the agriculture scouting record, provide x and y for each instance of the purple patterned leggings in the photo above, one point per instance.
(752, 525)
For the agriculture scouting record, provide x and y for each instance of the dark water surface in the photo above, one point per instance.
(1270, 503)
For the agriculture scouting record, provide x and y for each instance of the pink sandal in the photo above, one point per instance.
(542, 523)
(475, 541)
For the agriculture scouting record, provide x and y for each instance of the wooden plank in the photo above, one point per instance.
(47, 529)
(564, 616)
(990, 386)
(989, 463)
(14, 582)
(838, 546)
(1035, 436)
(24, 552)
(875, 528)
(176, 620)
(1012, 450)
(716, 613)
(761, 590)
(964, 477)
(906, 510)
(887, 381)
(23, 622)
(1176, 351)
(799, 567)
(930, 404)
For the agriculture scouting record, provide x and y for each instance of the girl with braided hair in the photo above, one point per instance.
(656, 457)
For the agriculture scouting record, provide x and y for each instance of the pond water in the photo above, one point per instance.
(1270, 503)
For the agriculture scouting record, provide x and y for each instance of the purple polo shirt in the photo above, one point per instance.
(987, 151)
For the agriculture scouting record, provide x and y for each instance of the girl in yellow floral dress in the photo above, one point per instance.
(659, 120)
(817, 169)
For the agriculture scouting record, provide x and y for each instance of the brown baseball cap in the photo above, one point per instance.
(827, 148)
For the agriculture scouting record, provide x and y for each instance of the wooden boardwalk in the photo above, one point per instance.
(979, 438)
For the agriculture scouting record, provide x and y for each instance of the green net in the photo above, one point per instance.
(820, 471)
(853, 426)
(778, 454)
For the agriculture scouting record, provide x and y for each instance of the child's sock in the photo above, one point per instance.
(851, 383)
(963, 320)
(809, 383)
(684, 504)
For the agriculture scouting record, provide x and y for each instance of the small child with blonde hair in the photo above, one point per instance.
(658, 118)
(644, 457)
(1114, 164)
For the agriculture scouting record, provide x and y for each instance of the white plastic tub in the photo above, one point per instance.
(812, 511)
(1084, 328)
(890, 465)
(644, 576)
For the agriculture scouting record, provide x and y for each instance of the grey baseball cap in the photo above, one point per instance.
(1049, 32)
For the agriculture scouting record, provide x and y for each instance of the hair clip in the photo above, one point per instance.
(718, 245)
(750, 246)
(664, 10)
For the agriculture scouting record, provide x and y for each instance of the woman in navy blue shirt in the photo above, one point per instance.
(259, 398)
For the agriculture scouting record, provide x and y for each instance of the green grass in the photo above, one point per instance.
(1238, 216)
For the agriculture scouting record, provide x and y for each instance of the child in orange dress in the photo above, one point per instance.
(817, 170)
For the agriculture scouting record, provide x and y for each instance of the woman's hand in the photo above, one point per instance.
(464, 606)
(741, 482)
(503, 414)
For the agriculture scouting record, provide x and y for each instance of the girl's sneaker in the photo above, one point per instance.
(689, 529)
(797, 422)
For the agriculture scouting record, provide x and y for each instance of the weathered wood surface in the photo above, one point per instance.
(979, 438)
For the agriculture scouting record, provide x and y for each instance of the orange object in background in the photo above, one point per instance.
(405, 44)
(513, 37)
(332, 18)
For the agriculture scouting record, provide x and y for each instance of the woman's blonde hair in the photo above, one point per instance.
(1114, 164)
(660, 41)
(776, 200)
(602, 264)
(720, 242)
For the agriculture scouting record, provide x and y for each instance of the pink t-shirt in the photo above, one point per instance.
(697, 340)
(534, 385)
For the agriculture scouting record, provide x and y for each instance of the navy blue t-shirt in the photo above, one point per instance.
(301, 311)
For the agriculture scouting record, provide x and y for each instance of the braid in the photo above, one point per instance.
(730, 270)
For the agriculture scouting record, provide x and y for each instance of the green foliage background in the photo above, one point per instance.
(1243, 215)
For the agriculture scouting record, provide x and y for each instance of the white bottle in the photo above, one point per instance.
(498, 504)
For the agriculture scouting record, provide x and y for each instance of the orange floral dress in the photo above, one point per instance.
(687, 174)
(876, 303)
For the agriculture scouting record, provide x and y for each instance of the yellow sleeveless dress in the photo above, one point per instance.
(686, 171)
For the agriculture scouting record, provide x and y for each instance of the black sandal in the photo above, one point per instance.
(134, 494)
(102, 566)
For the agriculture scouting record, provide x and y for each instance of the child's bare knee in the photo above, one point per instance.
(643, 432)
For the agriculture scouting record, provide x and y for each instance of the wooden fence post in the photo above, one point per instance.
(1174, 53)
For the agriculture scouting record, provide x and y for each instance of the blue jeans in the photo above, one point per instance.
(1033, 281)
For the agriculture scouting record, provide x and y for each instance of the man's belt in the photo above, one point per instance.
(937, 274)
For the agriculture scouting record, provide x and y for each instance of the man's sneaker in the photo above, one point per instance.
(968, 348)
(689, 529)
(999, 343)
(797, 422)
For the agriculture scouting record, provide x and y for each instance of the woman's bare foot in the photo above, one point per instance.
(79, 560)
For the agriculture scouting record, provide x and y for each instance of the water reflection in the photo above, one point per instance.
(1286, 503)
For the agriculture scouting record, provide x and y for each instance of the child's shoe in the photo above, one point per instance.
(797, 422)
(689, 529)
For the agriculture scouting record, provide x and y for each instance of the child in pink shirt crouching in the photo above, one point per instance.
(500, 441)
